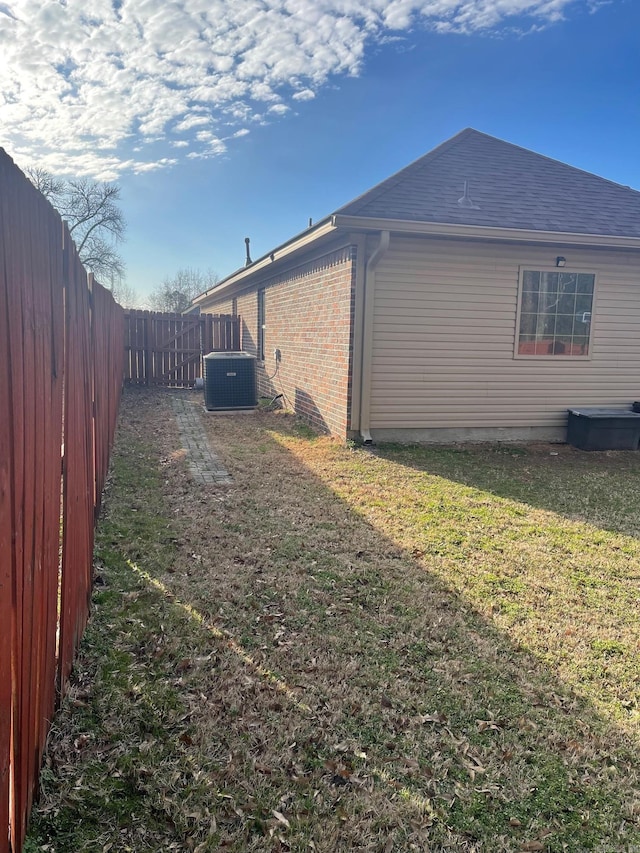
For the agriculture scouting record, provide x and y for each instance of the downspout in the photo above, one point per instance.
(360, 243)
(367, 334)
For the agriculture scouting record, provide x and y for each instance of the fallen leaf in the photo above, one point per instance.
(483, 725)
(430, 718)
(281, 818)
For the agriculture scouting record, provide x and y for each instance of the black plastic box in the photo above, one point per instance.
(601, 428)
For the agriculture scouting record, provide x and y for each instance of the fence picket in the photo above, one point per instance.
(6, 527)
(43, 356)
(167, 349)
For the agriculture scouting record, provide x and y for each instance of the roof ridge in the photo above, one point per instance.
(388, 184)
(556, 162)
(394, 179)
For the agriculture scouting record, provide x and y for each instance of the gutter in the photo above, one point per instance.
(361, 224)
(483, 232)
(296, 243)
(367, 334)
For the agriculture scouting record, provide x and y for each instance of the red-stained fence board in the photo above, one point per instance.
(46, 326)
(6, 520)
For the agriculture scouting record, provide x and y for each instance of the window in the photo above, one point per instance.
(555, 313)
(261, 324)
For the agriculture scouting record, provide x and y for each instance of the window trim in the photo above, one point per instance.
(537, 267)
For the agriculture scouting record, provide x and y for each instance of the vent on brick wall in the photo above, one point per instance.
(230, 381)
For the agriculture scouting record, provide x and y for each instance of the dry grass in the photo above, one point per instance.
(417, 649)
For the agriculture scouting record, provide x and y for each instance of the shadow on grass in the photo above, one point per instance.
(267, 670)
(597, 487)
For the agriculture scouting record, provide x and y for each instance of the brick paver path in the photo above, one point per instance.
(204, 465)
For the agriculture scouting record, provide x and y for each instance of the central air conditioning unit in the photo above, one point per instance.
(230, 381)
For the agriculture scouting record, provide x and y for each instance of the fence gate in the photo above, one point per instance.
(167, 349)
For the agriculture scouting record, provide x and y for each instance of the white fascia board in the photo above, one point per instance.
(482, 232)
(294, 245)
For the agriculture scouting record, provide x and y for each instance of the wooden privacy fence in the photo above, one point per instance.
(167, 349)
(61, 366)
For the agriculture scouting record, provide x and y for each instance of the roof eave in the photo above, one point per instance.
(401, 226)
(295, 244)
(483, 232)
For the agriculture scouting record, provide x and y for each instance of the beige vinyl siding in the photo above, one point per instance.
(444, 338)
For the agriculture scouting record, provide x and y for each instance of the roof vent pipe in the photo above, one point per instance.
(248, 262)
(466, 200)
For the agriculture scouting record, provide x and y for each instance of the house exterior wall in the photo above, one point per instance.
(308, 318)
(443, 364)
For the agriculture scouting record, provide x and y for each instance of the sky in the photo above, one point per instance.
(226, 119)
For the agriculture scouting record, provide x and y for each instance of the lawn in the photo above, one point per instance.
(404, 649)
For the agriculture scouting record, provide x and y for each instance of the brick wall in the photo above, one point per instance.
(308, 313)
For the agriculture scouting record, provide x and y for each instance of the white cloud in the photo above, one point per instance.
(84, 81)
(193, 120)
(151, 167)
(304, 95)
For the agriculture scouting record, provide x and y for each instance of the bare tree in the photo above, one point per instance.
(52, 188)
(175, 293)
(124, 294)
(93, 217)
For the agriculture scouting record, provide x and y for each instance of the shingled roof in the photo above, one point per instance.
(508, 187)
